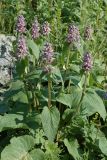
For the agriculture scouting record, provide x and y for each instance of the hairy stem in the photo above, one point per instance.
(83, 92)
(49, 92)
(68, 58)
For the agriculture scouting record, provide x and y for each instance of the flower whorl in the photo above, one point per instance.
(73, 34)
(21, 47)
(46, 28)
(88, 33)
(87, 62)
(21, 25)
(48, 53)
(35, 29)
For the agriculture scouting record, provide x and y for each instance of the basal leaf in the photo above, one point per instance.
(50, 120)
(18, 149)
(93, 103)
(11, 121)
(37, 154)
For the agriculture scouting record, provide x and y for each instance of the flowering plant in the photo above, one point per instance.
(54, 107)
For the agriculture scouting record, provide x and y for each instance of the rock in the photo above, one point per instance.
(6, 59)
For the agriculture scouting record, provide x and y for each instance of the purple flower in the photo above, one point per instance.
(21, 47)
(47, 55)
(35, 29)
(87, 62)
(88, 33)
(21, 25)
(73, 34)
(46, 29)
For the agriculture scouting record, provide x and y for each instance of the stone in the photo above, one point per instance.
(6, 58)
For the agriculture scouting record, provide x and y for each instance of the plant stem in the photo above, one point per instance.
(30, 108)
(83, 92)
(49, 92)
(68, 58)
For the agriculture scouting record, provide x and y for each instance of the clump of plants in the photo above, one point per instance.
(55, 105)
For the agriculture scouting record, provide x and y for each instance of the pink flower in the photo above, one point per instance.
(21, 47)
(35, 29)
(21, 25)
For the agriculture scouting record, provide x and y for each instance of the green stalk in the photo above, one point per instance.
(83, 92)
(49, 92)
(25, 86)
(68, 58)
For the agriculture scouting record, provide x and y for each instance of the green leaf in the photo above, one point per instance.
(15, 87)
(18, 149)
(72, 99)
(99, 139)
(67, 115)
(17, 92)
(20, 97)
(37, 154)
(11, 121)
(50, 120)
(56, 75)
(92, 103)
(102, 142)
(72, 146)
(65, 99)
(34, 47)
(21, 66)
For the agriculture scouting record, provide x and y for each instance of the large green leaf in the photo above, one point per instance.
(99, 139)
(37, 154)
(17, 92)
(72, 99)
(102, 142)
(20, 97)
(19, 148)
(93, 103)
(11, 121)
(50, 120)
(65, 99)
(34, 47)
(72, 146)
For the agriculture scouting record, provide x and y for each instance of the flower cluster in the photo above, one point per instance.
(21, 25)
(88, 33)
(87, 62)
(35, 29)
(46, 29)
(73, 34)
(21, 47)
(47, 55)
